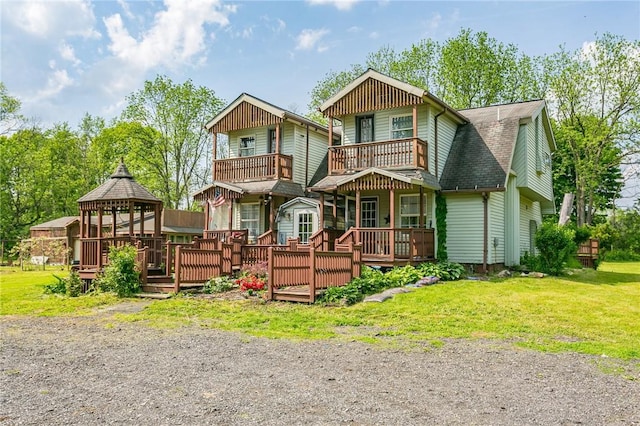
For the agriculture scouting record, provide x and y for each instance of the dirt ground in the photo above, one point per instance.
(86, 371)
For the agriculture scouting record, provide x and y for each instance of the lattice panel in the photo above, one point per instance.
(371, 95)
(245, 116)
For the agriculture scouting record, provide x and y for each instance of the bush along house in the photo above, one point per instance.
(411, 174)
(273, 154)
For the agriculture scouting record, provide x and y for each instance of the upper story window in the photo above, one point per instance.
(402, 126)
(247, 146)
(272, 140)
(364, 129)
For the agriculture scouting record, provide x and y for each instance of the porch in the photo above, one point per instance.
(255, 167)
(408, 153)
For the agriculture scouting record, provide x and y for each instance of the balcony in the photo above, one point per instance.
(410, 152)
(255, 167)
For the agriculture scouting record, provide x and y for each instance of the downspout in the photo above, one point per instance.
(306, 165)
(435, 139)
(485, 243)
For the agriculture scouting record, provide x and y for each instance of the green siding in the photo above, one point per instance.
(446, 133)
(496, 227)
(534, 175)
(529, 211)
(512, 223)
(465, 232)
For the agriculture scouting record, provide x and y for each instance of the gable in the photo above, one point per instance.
(244, 116)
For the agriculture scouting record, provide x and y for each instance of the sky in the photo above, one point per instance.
(63, 59)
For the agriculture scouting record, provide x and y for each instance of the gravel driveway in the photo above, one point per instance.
(77, 371)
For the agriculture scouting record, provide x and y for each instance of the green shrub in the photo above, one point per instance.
(120, 275)
(73, 284)
(621, 256)
(219, 285)
(373, 281)
(58, 287)
(555, 246)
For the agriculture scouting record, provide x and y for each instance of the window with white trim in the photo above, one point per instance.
(305, 226)
(410, 211)
(401, 126)
(369, 213)
(247, 146)
(250, 218)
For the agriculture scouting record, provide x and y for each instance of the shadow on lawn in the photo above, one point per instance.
(590, 276)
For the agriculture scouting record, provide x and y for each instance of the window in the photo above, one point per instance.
(364, 129)
(402, 127)
(249, 218)
(305, 226)
(272, 140)
(410, 211)
(369, 213)
(546, 161)
(247, 146)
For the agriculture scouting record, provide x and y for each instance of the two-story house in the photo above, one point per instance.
(273, 154)
(400, 146)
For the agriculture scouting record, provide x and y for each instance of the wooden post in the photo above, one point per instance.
(169, 259)
(158, 221)
(142, 222)
(176, 287)
(215, 153)
(415, 122)
(270, 276)
(278, 139)
(392, 223)
(321, 218)
(312, 275)
(131, 217)
(82, 225)
(358, 209)
(206, 214)
(230, 215)
(272, 213)
(335, 209)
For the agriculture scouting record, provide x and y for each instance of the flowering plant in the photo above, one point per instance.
(250, 283)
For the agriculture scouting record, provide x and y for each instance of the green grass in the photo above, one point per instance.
(593, 312)
(22, 293)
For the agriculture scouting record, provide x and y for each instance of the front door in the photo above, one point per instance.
(369, 213)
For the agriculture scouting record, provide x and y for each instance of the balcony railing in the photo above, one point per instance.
(255, 167)
(391, 244)
(410, 152)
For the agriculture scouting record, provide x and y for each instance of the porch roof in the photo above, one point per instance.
(239, 189)
(409, 176)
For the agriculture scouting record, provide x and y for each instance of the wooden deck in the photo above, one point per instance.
(411, 152)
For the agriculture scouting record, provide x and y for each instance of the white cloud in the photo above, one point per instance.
(126, 9)
(53, 19)
(434, 23)
(308, 39)
(339, 4)
(374, 35)
(176, 36)
(67, 53)
(57, 81)
(354, 29)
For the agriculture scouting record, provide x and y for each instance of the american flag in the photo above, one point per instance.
(217, 201)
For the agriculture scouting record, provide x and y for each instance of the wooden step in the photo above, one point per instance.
(158, 288)
(159, 279)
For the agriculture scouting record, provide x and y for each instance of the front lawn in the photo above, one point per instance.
(594, 312)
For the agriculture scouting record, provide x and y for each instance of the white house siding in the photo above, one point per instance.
(512, 223)
(299, 155)
(529, 210)
(287, 219)
(318, 143)
(382, 124)
(465, 232)
(260, 133)
(538, 174)
(446, 132)
(496, 227)
(519, 163)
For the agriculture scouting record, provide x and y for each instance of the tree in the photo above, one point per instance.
(596, 101)
(469, 70)
(10, 118)
(179, 152)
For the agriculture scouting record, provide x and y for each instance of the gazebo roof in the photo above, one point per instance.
(118, 192)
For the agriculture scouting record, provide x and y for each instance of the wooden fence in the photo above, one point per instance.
(588, 253)
(198, 265)
(300, 275)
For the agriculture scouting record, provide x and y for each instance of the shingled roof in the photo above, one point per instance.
(482, 149)
(121, 186)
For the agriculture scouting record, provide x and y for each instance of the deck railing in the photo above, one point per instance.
(588, 253)
(410, 152)
(255, 167)
(94, 251)
(391, 244)
(314, 269)
(225, 235)
(324, 239)
(198, 265)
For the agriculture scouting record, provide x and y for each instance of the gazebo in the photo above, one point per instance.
(120, 194)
